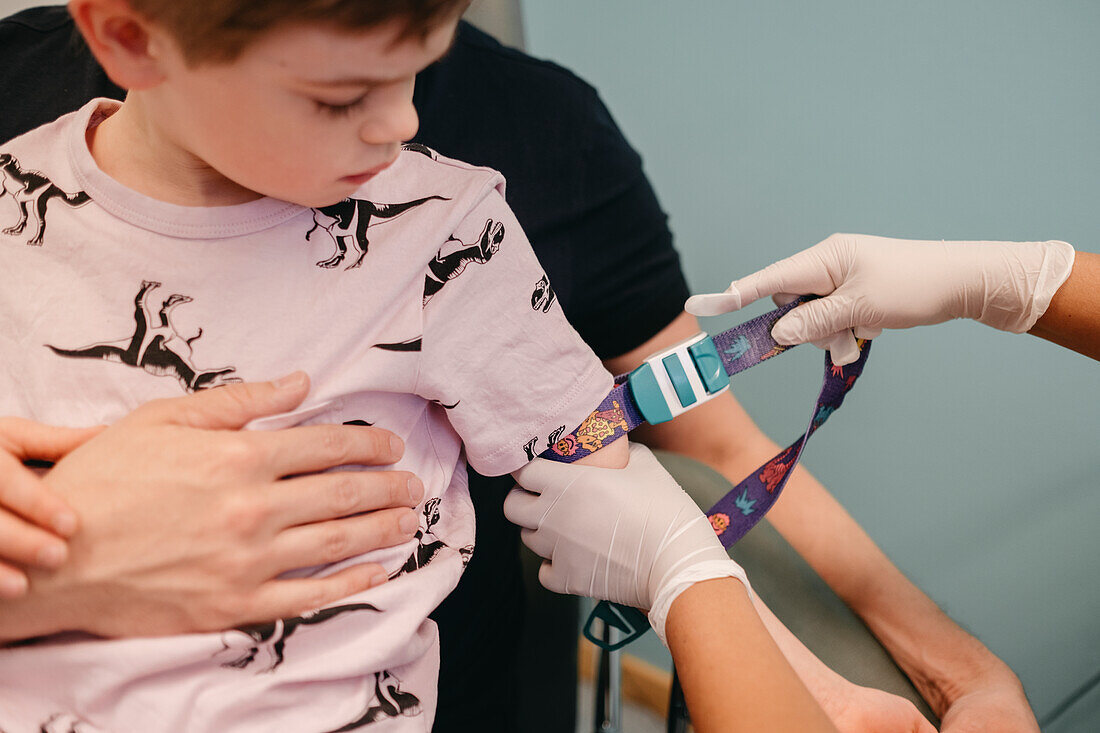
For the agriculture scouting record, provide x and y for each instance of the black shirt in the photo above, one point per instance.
(579, 191)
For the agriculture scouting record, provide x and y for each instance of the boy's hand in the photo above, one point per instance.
(856, 709)
(629, 535)
(187, 522)
(34, 520)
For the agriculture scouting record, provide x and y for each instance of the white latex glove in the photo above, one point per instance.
(872, 283)
(628, 535)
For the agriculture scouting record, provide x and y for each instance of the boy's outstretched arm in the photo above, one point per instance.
(968, 687)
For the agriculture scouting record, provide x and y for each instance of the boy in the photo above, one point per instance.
(252, 179)
(249, 206)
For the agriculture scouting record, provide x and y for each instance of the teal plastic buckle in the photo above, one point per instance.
(673, 381)
(630, 621)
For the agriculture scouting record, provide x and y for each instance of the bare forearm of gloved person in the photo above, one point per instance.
(734, 676)
(871, 283)
(634, 537)
(1073, 318)
(187, 522)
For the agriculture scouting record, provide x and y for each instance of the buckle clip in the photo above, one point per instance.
(671, 382)
(630, 622)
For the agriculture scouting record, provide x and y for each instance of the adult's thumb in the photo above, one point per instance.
(232, 406)
(815, 320)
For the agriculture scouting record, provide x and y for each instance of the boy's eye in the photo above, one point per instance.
(339, 110)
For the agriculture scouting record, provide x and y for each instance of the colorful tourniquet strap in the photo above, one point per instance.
(673, 381)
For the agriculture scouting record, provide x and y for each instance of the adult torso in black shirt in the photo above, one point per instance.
(578, 189)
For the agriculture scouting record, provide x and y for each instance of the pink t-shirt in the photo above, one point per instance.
(411, 307)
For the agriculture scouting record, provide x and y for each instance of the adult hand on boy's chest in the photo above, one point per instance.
(186, 522)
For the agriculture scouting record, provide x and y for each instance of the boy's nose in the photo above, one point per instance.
(399, 125)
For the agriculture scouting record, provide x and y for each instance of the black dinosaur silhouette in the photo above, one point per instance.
(444, 268)
(412, 344)
(427, 550)
(350, 219)
(272, 636)
(389, 702)
(31, 188)
(422, 149)
(63, 723)
(543, 295)
(551, 439)
(529, 448)
(155, 347)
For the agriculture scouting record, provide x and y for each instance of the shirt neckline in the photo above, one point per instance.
(174, 220)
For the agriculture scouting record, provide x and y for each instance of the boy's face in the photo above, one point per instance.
(306, 113)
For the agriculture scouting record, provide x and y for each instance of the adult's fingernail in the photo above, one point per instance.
(713, 304)
(378, 579)
(52, 555)
(416, 489)
(293, 380)
(12, 586)
(786, 331)
(408, 523)
(397, 446)
(64, 523)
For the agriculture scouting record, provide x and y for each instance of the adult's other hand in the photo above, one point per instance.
(34, 520)
(187, 522)
(871, 283)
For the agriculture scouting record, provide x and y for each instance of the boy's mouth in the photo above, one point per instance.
(359, 179)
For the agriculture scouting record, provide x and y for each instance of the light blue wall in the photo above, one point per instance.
(972, 457)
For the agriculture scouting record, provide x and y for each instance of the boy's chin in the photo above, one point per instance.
(318, 199)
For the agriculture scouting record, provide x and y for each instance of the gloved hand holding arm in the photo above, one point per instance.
(872, 283)
(632, 536)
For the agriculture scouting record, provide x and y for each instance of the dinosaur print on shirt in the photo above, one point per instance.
(346, 223)
(387, 701)
(32, 190)
(444, 268)
(156, 346)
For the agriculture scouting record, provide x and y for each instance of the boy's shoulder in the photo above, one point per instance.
(43, 150)
(417, 159)
(420, 172)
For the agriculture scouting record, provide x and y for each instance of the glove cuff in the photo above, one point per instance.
(709, 570)
(1057, 266)
(1019, 293)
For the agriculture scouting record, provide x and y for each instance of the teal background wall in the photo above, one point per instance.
(971, 456)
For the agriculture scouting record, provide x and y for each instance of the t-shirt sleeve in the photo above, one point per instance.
(497, 351)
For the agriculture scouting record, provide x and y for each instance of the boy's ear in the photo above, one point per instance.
(123, 41)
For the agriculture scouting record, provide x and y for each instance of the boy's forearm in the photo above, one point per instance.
(933, 650)
(712, 630)
(940, 657)
(612, 455)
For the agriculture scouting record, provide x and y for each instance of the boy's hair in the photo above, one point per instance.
(219, 30)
